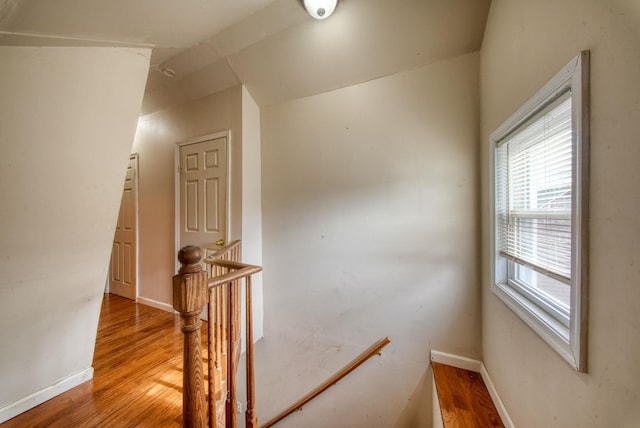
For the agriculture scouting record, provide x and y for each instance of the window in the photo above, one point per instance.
(540, 208)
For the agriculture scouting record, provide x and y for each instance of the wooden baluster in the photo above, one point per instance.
(251, 420)
(219, 337)
(211, 369)
(189, 298)
(225, 329)
(238, 312)
(218, 333)
(230, 409)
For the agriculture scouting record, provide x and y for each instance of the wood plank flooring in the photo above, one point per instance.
(464, 399)
(137, 379)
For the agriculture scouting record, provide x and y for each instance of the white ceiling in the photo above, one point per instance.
(271, 46)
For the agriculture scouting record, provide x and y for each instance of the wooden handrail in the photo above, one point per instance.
(193, 288)
(227, 249)
(232, 276)
(219, 287)
(374, 349)
(226, 263)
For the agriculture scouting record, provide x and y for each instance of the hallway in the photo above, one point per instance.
(137, 379)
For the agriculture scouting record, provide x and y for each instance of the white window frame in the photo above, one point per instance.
(565, 332)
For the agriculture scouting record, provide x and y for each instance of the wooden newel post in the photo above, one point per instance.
(189, 297)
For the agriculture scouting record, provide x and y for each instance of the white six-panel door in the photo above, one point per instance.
(203, 193)
(123, 266)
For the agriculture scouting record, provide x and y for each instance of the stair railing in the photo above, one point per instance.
(219, 287)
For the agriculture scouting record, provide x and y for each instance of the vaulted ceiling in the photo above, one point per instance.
(271, 46)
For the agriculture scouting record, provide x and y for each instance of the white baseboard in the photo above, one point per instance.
(39, 397)
(437, 421)
(500, 407)
(456, 361)
(478, 367)
(155, 304)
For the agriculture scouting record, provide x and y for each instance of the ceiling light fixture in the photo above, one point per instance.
(320, 9)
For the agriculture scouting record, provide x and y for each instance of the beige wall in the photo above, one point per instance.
(370, 230)
(155, 142)
(67, 120)
(526, 43)
(252, 201)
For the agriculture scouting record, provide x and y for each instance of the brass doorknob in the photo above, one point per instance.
(220, 242)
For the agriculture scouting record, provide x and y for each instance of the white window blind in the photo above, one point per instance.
(534, 192)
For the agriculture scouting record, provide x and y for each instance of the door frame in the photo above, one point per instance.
(176, 186)
(136, 196)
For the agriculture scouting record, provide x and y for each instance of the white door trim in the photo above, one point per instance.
(136, 197)
(176, 186)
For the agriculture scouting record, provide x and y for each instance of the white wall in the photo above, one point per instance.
(370, 230)
(67, 120)
(252, 201)
(155, 142)
(526, 43)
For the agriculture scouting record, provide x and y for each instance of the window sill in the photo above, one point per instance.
(554, 333)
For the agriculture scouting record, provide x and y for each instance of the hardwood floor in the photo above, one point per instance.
(464, 399)
(138, 374)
